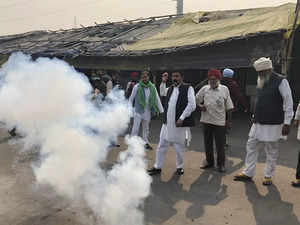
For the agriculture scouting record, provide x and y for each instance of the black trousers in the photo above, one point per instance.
(217, 133)
(298, 167)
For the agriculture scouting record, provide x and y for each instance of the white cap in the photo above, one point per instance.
(263, 64)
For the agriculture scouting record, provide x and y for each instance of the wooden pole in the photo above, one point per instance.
(291, 40)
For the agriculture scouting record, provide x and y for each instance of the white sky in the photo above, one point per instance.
(18, 16)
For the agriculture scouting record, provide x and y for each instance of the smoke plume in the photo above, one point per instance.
(49, 103)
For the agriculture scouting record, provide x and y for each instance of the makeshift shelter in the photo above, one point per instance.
(193, 42)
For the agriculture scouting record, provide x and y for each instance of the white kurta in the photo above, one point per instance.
(146, 115)
(163, 89)
(272, 133)
(169, 131)
(267, 136)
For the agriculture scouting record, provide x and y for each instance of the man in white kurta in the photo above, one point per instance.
(267, 134)
(143, 116)
(163, 87)
(174, 130)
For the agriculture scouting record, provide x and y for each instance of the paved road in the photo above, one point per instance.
(198, 197)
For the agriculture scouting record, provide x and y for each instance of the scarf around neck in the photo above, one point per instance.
(152, 97)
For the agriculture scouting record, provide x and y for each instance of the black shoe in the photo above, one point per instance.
(179, 171)
(206, 166)
(296, 183)
(12, 132)
(114, 146)
(221, 169)
(148, 147)
(242, 177)
(154, 171)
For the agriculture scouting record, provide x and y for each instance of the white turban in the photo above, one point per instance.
(263, 64)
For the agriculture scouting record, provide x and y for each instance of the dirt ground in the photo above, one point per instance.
(198, 197)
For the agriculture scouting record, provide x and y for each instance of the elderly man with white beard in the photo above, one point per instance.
(272, 117)
(179, 105)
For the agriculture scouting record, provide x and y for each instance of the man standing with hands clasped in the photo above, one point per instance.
(216, 106)
(272, 117)
(178, 108)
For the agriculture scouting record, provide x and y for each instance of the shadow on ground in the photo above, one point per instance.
(281, 212)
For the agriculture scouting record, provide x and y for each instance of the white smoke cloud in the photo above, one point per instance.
(48, 101)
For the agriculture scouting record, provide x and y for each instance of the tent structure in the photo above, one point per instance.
(194, 41)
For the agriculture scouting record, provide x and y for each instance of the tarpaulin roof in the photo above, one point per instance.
(155, 35)
(206, 27)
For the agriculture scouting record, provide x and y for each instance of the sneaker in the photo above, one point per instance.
(179, 171)
(242, 177)
(12, 132)
(267, 181)
(154, 171)
(148, 147)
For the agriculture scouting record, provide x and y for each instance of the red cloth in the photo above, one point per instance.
(235, 92)
(214, 72)
(134, 75)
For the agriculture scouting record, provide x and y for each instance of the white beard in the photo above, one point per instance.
(262, 81)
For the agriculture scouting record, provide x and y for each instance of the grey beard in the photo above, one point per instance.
(261, 82)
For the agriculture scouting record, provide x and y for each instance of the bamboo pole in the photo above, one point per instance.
(291, 40)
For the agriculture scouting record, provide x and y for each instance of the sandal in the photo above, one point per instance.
(267, 181)
(296, 183)
(242, 177)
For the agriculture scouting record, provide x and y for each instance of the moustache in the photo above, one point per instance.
(176, 82)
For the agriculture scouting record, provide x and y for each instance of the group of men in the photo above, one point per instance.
(271, 119)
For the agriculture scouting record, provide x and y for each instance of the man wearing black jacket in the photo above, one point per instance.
(178, 108)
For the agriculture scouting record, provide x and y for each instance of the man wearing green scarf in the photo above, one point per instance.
(146, 103)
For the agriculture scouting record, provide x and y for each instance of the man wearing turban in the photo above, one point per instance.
(131, 84)
(272, 117)
(234, 89)
(216, 106)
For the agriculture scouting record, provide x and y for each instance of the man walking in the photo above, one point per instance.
(180, 103)
(214, 102)
(274, 107)
(146, 102)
